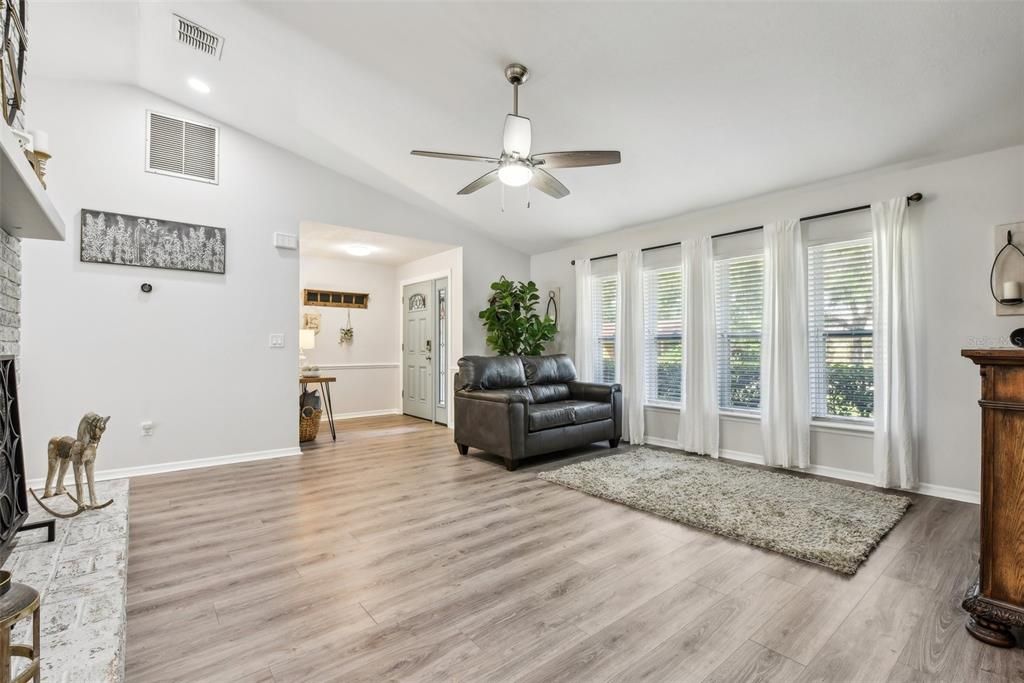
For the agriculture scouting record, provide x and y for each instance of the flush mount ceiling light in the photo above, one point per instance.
(198, 85)
(516, 166)
(358, 249)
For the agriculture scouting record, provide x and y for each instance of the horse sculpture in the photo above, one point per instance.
(80, 453)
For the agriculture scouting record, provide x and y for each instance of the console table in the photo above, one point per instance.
(996, 601)
(325, 390)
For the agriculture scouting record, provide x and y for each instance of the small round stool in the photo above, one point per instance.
(17, 601)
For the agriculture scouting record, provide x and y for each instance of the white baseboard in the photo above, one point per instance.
(161, 468)
(362, 413)
(962, 495)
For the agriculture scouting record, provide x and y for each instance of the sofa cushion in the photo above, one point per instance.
(591, 411)
(548, 415)
(491, 372)
(555, 369)
(546, 393)
(563, 413)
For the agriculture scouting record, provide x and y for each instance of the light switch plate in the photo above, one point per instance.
(284, 240)
(277, 340)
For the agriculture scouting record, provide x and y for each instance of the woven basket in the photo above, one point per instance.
(309, 424)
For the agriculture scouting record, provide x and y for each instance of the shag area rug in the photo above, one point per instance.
(829, 524)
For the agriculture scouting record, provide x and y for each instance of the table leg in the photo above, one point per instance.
(36, 656)
(5, 655)
(326, 387)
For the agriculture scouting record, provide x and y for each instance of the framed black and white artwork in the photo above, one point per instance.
(126, 240)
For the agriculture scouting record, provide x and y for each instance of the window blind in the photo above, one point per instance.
(663, 334)
(604, 316)
(739, 301)
(840, 310)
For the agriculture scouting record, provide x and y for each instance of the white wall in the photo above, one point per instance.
(964, 199)
(369, 364)
(193, 355)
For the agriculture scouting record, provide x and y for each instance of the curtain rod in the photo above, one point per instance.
(916, 197)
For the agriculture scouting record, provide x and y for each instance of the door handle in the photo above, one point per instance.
(428, 346)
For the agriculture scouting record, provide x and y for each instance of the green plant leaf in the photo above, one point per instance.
(512, 324)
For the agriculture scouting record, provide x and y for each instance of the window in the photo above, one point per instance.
(663, 334)
(442, 345)
(739, 300)
(605, 293)
(840, 310)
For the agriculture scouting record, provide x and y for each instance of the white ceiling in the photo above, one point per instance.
(332, 241)
(708, 102)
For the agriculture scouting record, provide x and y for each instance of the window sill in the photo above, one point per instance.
(840, 427)
(740, 416)
(825, 426)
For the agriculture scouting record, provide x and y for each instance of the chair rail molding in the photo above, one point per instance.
(359, 366)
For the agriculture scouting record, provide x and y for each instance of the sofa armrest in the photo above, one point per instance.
(594, 391)
(493, 421)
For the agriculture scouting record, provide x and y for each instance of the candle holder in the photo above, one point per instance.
(40, 165)
(1016, 301)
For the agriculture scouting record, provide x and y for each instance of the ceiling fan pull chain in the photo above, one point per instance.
(527, 195)
(503, 197)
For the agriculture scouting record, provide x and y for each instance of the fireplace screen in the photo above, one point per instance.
(13, 503)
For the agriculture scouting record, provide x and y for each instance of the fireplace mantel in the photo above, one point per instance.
(26, 210)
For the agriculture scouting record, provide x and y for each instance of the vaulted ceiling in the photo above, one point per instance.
(708, 102)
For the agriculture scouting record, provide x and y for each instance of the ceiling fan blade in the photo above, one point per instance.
(576, 159)
(483, 181)
(518, 136)
(548, 184)
(454, 157)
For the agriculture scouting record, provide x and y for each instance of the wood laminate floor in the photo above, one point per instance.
(387, 556)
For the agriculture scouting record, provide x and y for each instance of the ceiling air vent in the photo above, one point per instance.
(197, 37)
(181, 148)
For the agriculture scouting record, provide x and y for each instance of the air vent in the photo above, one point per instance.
(197, 37)
(181, 148)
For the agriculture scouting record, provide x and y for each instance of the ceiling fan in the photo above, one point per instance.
(516, 166)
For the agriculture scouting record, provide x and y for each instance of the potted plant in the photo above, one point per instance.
(513, 326)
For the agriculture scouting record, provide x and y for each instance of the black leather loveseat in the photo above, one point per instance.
(520, 406)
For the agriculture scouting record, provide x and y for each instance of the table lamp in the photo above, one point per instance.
(307, 340)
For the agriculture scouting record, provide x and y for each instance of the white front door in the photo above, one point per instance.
(418, 350)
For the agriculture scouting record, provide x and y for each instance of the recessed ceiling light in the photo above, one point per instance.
(199, 86)
(359, 249)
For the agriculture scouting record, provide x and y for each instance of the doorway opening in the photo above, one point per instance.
(425, 335)
(382, 315)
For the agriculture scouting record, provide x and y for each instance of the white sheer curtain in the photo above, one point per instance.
(894, 346)
(584, 332)
(631, 341)
(698, 417)
(785, 404)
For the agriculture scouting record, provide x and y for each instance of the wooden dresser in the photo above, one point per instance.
(996, 601)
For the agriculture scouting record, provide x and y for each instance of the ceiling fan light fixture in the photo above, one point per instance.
(517, 165)
(515, 173)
